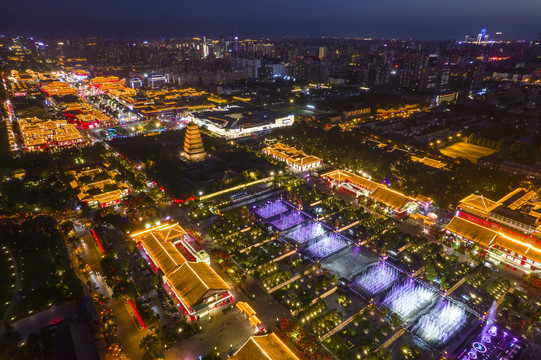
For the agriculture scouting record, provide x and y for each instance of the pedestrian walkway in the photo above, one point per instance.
(419, 271)
(17, 289)
(294, 278)
(322, 296)
(257, 245)
(342, 325)
(460, 282)
(283, 256)
(348, 226)
(404, 247)
(387, 343)
(509, 291)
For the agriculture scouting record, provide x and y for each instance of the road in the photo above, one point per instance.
(128, 332)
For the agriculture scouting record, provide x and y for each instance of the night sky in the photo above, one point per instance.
(421, 19)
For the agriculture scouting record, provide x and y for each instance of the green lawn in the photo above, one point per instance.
(35, 269)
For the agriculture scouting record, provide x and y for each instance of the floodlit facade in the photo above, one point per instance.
(394, 202)
(240, 121)
(188, 278)
(296, 159)
(39, 134)
(264, 347)
(509, 229)
(98, 188)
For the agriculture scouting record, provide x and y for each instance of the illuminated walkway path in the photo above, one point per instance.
(509, 291)
(386, 344)
(348, 226)
(342, 325)
(18, 283)
(295, 278)
(455, 286)
(322, 296)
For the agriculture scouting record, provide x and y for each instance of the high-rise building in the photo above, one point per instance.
(430, 77)
(206, 51)
(475, 76)
(530, 98)
(482, 36)
(193, 144)
(322, 52)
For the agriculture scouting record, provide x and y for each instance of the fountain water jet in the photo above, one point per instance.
(408, 298)
(326, 245)
(288, 220)
(376, 279)
(307, 232)
(441, 323)
(271, 209)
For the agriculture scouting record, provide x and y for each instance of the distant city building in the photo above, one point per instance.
(156, 81)
(531, 96)
(136, 83)
(322, 52)
(482, 36)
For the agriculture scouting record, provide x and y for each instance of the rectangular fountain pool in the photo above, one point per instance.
(271, 209)
(288, 220)
(309, 231)
(325, 246)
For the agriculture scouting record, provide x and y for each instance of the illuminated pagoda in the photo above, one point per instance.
(193, 145)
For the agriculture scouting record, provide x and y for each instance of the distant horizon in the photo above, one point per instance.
(163, 29)
(387, 19)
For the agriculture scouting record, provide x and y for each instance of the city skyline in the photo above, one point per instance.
(420, 19)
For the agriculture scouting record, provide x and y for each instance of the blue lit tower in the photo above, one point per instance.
(236, 40)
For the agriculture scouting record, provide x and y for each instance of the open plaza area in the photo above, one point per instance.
(468, 151)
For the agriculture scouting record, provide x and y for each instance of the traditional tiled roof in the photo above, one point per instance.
(490, 238)
(341, 175)
(472, 231)
(429, 162)
(390, 197)
(265, 347)
(192, 281)
(157, 243)
(479, 202)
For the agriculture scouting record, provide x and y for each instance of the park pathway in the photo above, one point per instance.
(387, 343)
(342, 325)
(456, 286)
(348, 226)
(17, 289)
